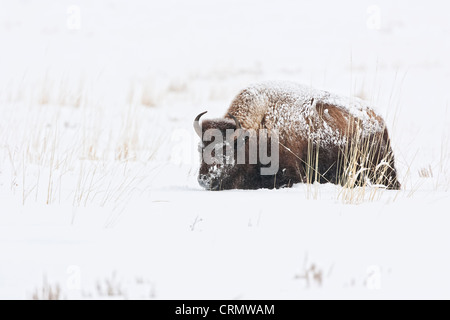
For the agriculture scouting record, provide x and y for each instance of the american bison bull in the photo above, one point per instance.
(276, 134)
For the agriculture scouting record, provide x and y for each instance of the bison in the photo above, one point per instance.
(313, 135)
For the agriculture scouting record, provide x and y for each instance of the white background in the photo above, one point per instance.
(98, 158)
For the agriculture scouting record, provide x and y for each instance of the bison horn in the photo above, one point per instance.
(239, 132)
(197, 127)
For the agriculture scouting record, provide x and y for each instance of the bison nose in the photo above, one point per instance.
(206, 182)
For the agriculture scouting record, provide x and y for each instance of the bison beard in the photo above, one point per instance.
(322, 137)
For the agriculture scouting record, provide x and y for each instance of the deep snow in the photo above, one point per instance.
(98, 158)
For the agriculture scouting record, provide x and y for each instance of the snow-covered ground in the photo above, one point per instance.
(98, 158)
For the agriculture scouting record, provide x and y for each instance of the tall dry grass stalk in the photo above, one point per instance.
(365, 167)
(47, 292)
(366, 161)
(75, 150)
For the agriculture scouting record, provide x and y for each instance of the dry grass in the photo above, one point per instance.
(311, 274)
(149, 96)
(360, 171)
(62, 93)
(48, 292)
(110, 287)
(89, 153)
(432, 177)
(426, 172)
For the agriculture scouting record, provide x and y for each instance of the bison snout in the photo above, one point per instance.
(206, 182)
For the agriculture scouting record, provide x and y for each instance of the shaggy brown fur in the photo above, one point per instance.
(323, 137)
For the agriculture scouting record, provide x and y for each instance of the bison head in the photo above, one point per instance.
(221, 139)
